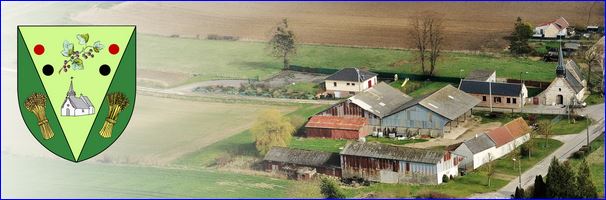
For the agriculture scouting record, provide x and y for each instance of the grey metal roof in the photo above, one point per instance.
(386, 151)
(479, 75)
(482, 87)
(479, 143)
(351, 74)
(574, 76)
(81, 102)
(380, 99)
(303, 157)
(448, 101)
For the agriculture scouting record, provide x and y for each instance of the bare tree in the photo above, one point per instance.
(544, 128)
(490, 169)
(282, 43)
(436, 38)
(420, 35)
(593, 58)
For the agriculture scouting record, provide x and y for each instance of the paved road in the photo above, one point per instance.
(571, 144)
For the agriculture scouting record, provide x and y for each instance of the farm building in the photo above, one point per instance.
(349, 81)
(336, 127)
(482, 75)
(395, 164)
(552, 29)
(496, 95)
(301, 164)
(508, 137)
(475, 151)
(433, 114)
(372, 104)
(567, 88)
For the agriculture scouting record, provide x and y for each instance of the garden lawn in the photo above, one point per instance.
(541, 148)
(318, 144)
(594, 98)
(463, 186)
(213, 59)
(560, 126)
(241, 144)
(596, 164)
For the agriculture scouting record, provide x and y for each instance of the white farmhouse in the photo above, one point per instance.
(349, 81)
(476, 151)
(552, 29)
(76, 106)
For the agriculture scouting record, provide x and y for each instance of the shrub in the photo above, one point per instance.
(524, 149)
(330, 189)
(578, 155)
(444, 178)
(433, 195)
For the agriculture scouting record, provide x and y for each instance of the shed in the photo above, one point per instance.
(292, 162)
(482, 75)
(336, 127)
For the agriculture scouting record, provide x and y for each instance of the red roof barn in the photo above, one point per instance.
(335, 127)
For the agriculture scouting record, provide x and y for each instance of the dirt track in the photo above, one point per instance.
(470, 26)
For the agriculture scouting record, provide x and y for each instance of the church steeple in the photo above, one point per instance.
(560, 69)
(71, 91)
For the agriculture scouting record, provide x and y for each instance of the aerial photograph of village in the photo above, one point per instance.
(331, 100)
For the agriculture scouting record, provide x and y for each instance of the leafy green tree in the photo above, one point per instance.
(544, 129)
(282, 42)
(586, 187)
(271, 129)
(540, 189)
(561, 180)
(330, 189)
(518, 40)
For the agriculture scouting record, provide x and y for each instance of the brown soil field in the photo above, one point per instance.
(468, 25)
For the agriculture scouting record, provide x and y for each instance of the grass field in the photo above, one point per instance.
(163, 129)
(45, 178)
(560, 126)
(541, 148)
(318, 144)
(241, 144)
(210, 59)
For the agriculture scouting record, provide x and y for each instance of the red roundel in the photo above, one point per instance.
(39, 49)
(114, 49)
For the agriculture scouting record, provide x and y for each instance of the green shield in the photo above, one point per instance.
(76, 85)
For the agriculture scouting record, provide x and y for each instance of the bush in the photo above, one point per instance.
(433, 195)
(330, 189)
(444, 178)
(451, 177)
(578, 155)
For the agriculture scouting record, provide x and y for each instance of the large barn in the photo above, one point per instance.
(434, 114)
(396, 164)
(336, 127)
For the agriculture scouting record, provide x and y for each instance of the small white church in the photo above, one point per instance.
(569, 86)
(76, 106)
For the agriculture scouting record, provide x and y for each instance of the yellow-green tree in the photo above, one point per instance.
(271, 129)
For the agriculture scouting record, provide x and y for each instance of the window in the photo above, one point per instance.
(348, 83)
(514, 101)
(407, 167)
(483, 98)
(508, 100)
(353, 84)
(352, 93)
(497, 99)
(335, 84)
(560, 89)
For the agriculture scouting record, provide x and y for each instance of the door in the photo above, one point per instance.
(68, 112)
(559, 99)
(369, 83)
(535, 100)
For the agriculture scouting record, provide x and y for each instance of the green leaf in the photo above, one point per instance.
(82, 38)
(96, 50)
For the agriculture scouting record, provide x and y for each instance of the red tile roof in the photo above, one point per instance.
(335, 122)
(517, 127)
(509, 132)
(560, 23)
(500, 136)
